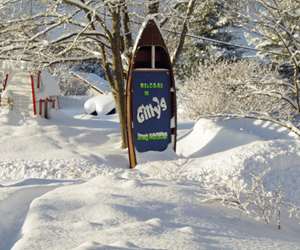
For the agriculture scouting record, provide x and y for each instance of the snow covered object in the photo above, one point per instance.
(100, 105)
(150, 95)
(32, 93)
(102, 101)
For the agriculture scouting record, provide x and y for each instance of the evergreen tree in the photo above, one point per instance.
(211, 19)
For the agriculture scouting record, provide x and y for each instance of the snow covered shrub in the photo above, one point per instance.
(294, 211)
(264, 205)
(236, 88)
(251, 198)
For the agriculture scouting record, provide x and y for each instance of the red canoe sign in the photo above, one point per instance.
(150, 95)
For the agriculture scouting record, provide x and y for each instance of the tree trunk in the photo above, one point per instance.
(184, 31)
(118, 86)
(127, 32)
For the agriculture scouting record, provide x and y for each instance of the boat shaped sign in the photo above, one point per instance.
(150, 95)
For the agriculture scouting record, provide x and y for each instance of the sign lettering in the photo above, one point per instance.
(146, 112)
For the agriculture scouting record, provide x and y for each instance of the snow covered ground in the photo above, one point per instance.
(65, 184)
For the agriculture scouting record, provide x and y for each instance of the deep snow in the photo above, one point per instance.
(65, 184)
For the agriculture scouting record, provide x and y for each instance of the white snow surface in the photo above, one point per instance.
(65, 184)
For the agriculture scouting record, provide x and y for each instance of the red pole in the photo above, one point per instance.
(33, 94)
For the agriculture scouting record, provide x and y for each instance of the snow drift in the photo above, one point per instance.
(73, 190)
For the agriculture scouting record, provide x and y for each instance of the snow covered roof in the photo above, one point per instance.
(93, 80)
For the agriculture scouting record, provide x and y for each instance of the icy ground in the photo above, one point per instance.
(65, 184)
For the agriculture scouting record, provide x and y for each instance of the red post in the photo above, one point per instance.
(33, 94)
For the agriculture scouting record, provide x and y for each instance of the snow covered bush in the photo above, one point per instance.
(251, 198)
(236, 88)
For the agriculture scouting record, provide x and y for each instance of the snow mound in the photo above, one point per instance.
(102, 214)
(219, 149)
(213, 136)
(102, 104)
(65, 184)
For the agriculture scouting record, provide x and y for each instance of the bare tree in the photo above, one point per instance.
(78, 30)
(274, 29)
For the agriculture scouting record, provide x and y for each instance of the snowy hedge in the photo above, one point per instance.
(236, 87)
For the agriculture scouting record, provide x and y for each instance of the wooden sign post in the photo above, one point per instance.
(150, 95)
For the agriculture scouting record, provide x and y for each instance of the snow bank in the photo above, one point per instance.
(10, 66)
(127, 212)
(157, 205)
(244, 147)
(212, 136)
(71, 145)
